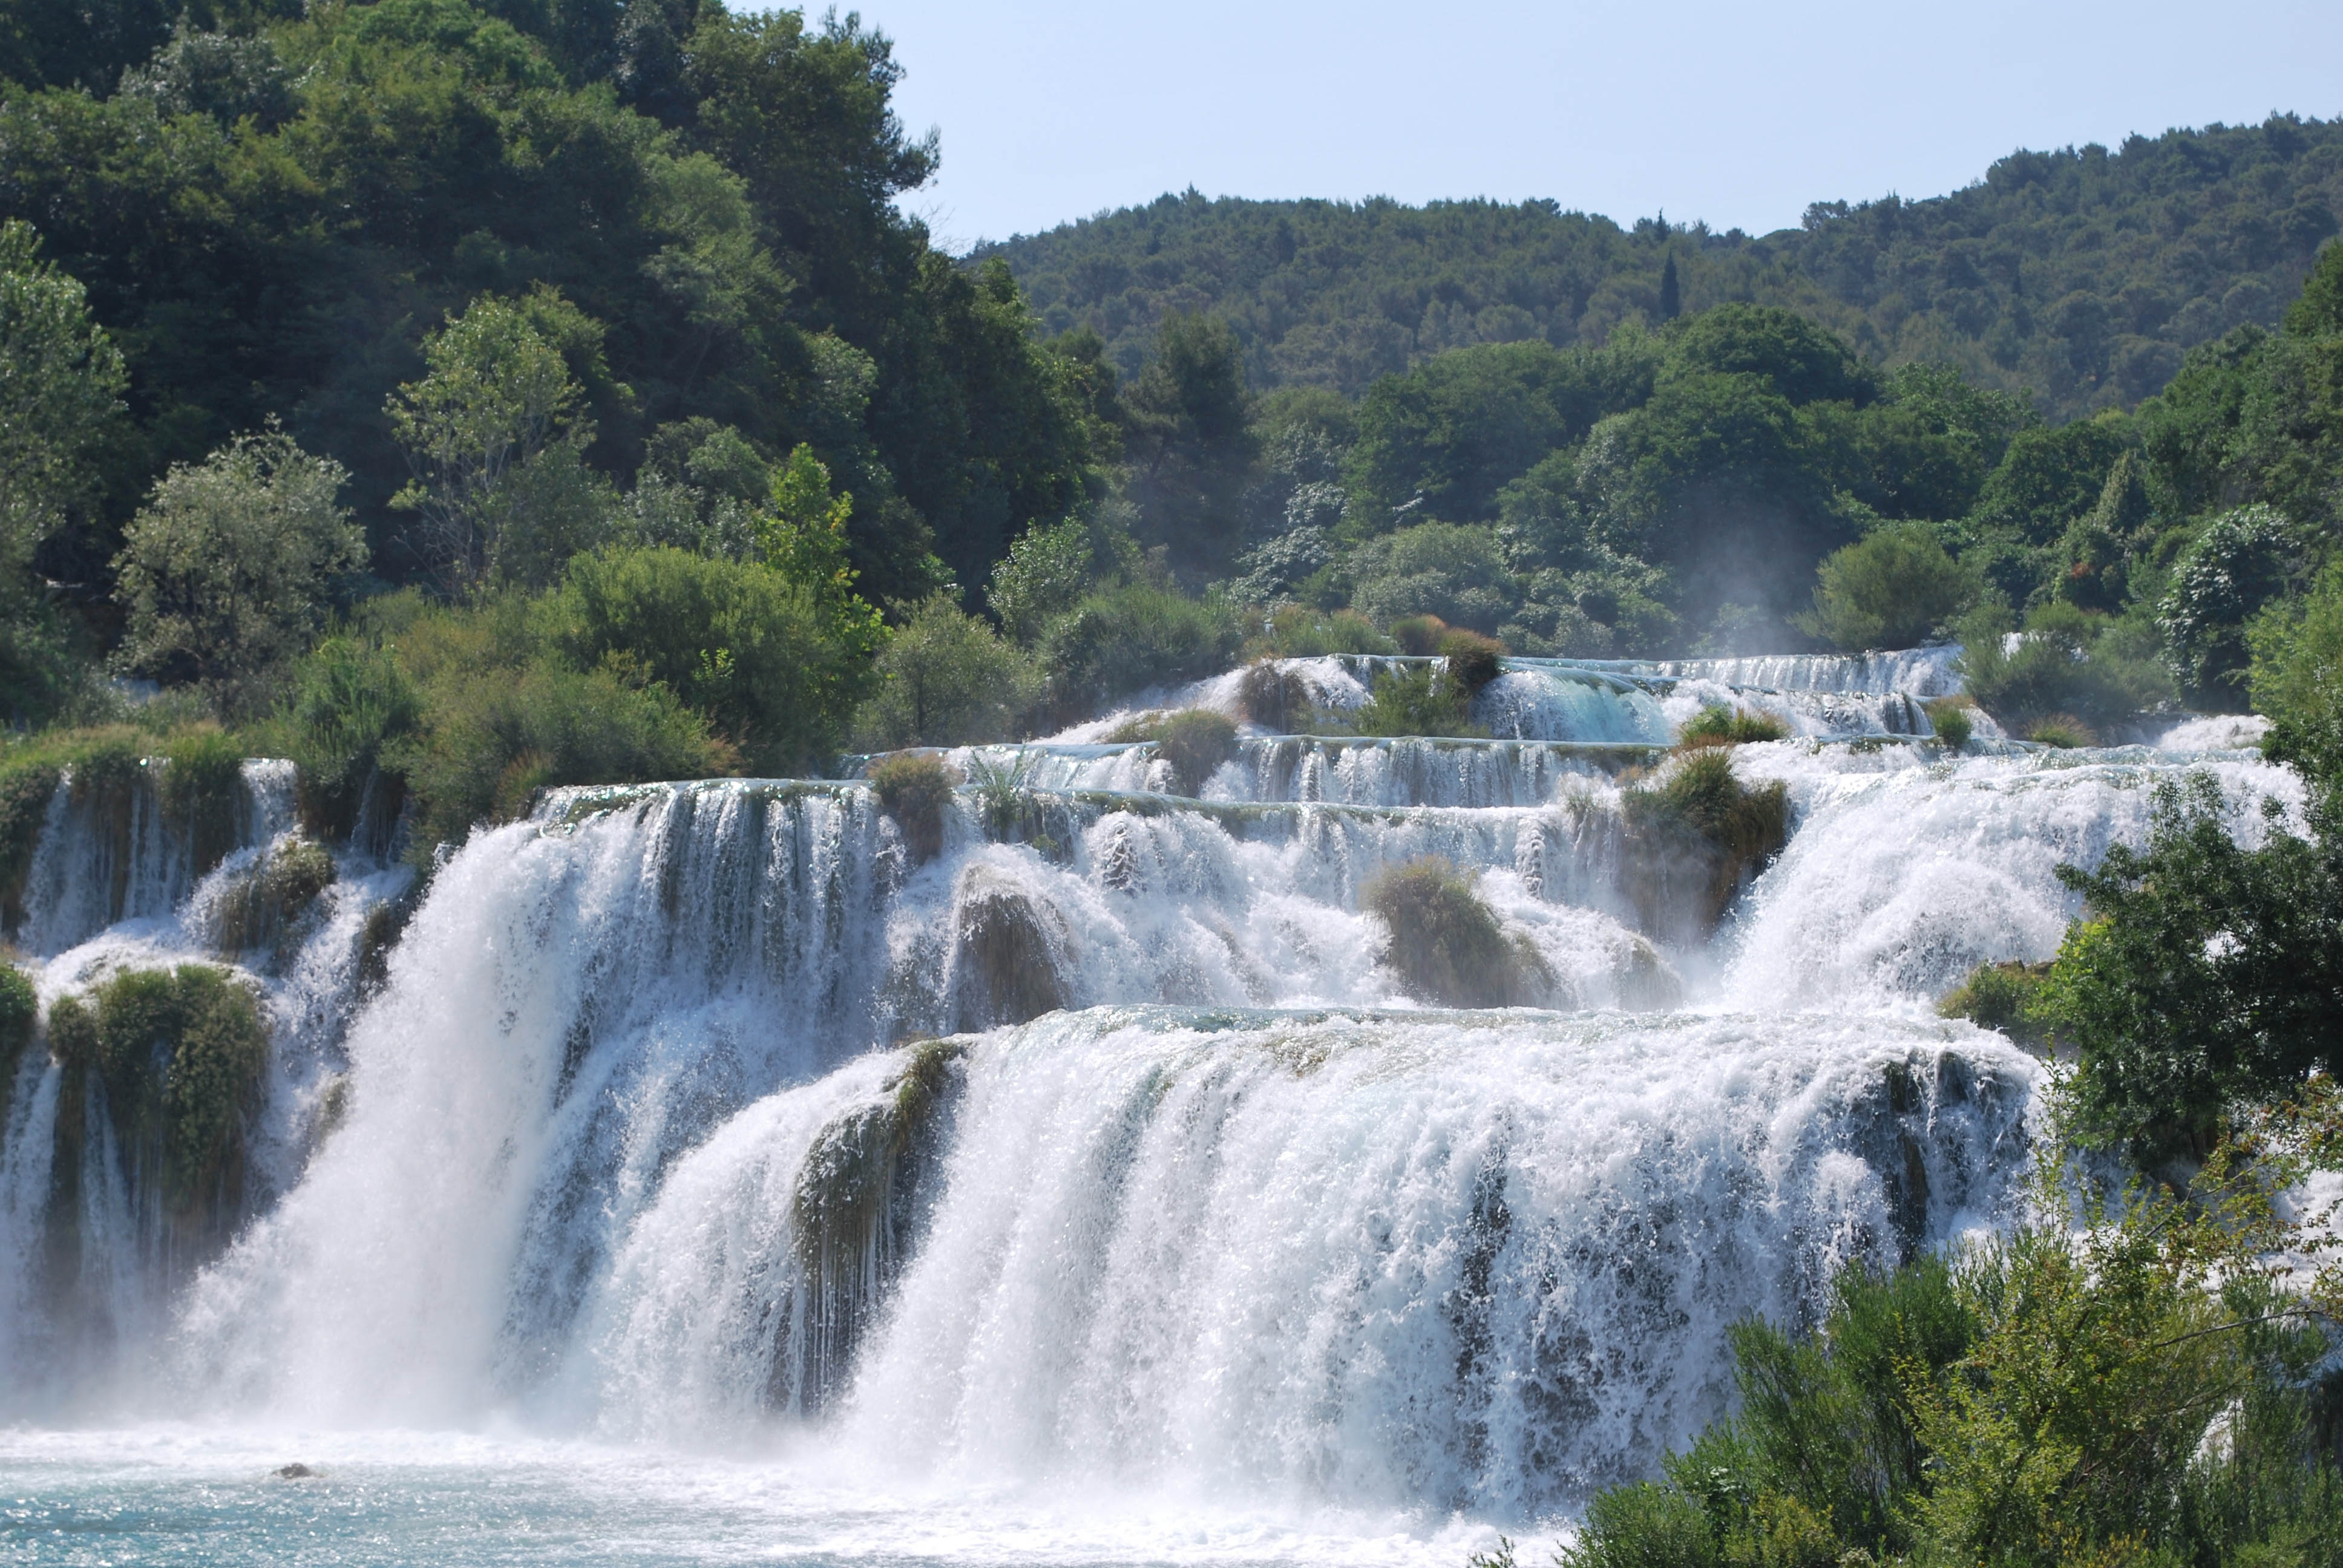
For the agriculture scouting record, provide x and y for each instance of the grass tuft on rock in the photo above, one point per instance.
(1421, 699)
(1694, 837)
(2061, 732)
(1193, 743)
(1447, 945)
(1279, 699)
(269, 909)
(1718, 724)
(1472, 661)
(2001, 996)
(913, 788)
(1949, 717)
(203, 791)
(20, 1013)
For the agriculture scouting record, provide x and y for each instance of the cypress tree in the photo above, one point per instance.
(1671, 299)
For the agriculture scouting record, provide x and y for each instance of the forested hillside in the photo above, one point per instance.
(2078, 277)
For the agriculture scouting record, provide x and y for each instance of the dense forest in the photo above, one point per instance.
(2078, 277)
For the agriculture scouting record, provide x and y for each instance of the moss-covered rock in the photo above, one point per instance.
(265, 912)
(851, 1215)
(1007, 948)
(20, 1014)
(1447, 945)
(182, 1054)
(1694, 837)
(1192, 742)
(1718, 724)
(203, 793)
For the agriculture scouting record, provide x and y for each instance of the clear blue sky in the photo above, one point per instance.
(1740, 114)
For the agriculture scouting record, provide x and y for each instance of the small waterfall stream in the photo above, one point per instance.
(1103, 1145)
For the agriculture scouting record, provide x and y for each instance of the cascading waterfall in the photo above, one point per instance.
(1103, 1144)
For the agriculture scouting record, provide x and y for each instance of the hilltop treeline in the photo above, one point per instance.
(2078, 277)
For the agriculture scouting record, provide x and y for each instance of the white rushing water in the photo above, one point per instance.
(1188, 1233)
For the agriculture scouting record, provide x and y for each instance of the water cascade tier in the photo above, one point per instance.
(1088, 1132)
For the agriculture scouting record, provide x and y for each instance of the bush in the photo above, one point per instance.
(1048, 571)
(2240, 562)
(349, 699)
(1193, 742)
(202, 792)
(740, 643)
(225, 572)
(946, 679)
(1446, 944)
(1949, 717)
(914, 787)
(2068, 663)
(1133, 637)
(1418, 636)
(1717, 725)
(1894, 587)
(1418, 699)
(1279, 699)
(1301, 631)
(2296, 674)
(2000, 996)
(1473, 660)
(269, 906)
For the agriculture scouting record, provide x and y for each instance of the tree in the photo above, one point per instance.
(947, 680)
(500, 393)
(226, 574)
(1894, 587)
(1191, 447)
(1671, 292)
(61, 378)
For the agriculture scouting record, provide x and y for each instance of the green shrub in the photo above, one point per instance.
(1193, 742)
(2000, 996)
(1447, 945)
(2069, 663)
(490, 741)
(349, 699)
(1416, 699)
(1132, 638)
(913, 788)
(739, 643)
(1894, 587)
(946, 679)
(1452, 572)
(1949, 717)
(1717, 725)
(1473, 660)
(2241, 561)
(2296, 675)
(1303, 631)
(1419, 636)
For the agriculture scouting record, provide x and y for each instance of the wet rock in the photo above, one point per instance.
(1007, 944)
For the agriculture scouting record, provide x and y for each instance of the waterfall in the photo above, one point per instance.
(1089, 1134)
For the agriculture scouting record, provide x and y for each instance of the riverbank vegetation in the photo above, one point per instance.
(609, 420)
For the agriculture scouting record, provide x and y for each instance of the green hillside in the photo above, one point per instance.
(2081, 275)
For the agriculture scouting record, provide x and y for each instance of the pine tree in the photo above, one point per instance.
(1671, 299)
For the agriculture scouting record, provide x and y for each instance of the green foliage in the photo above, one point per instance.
(1894, 587)
(1416, 699)
(2068, 664)
(1718, 724)
(268, 908)
(757, 652)
(348, 700)
(1702, 794)
(2296, 674)
(2061, 732)
(1299, 632)
(913, 788)
(1442, 570)
(1128, 638)
(1949, 717)
(2127, 1386)
(2000, 996)
(2206, 973)
(202, 790)
(58, 403)
(946, 679)
(1447, 945)
(225, 572)
(1045, 574)
(2131, 256)
(1193, 743)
